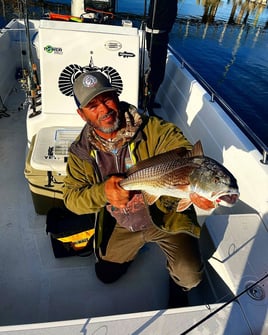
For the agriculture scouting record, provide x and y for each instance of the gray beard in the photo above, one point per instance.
(111, 129)
(106, 130)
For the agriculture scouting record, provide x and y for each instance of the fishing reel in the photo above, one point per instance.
(102, 5)
(32, 90)
(93, 11)
(22, 75)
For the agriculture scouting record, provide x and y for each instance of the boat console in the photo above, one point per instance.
(67, 49)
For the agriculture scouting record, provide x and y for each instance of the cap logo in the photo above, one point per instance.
(89, 81)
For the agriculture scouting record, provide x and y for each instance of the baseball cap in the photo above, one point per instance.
(90, 84)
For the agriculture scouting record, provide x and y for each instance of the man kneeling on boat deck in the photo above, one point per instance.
(114, 138)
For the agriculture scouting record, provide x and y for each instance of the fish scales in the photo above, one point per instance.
(168, 174)
(158, 161)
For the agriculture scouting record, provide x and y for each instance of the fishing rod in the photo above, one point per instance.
(247, 289)
(145, 87)
(33, 81)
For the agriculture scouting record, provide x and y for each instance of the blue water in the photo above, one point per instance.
(236, 67)
(229, 52)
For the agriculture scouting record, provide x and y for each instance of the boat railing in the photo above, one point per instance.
(260, 145)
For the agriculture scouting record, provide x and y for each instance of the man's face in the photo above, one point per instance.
(102, 113)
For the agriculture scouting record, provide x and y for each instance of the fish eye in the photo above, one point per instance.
(216, 180)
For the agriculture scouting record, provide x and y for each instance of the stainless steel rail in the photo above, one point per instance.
(260, 145)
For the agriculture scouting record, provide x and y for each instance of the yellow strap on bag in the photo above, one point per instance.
(79, 240)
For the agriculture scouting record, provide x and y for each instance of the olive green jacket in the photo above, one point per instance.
(83, 190)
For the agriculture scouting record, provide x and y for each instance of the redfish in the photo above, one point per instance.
(187, 175)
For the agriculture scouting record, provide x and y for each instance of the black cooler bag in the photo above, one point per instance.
(70, 234)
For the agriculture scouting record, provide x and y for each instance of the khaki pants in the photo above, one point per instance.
(182, 252)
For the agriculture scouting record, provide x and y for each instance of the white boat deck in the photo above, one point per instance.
(63, 296)
(34, 286)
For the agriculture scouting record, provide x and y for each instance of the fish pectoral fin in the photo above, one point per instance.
(202, 202)
(183, 204)
(149, 198)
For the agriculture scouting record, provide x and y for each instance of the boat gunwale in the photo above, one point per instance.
(215, 97)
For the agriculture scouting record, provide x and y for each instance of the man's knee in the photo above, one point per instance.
(109, 272)
(188, 280)
(187, 277)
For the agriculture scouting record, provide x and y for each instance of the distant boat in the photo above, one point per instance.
(41, 294)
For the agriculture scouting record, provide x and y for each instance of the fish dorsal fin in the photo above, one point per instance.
(197, 150)
(149, 198)
(162, 158)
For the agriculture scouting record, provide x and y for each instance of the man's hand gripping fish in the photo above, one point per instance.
(187, 175)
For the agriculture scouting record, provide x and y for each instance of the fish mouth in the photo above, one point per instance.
(227, 199)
